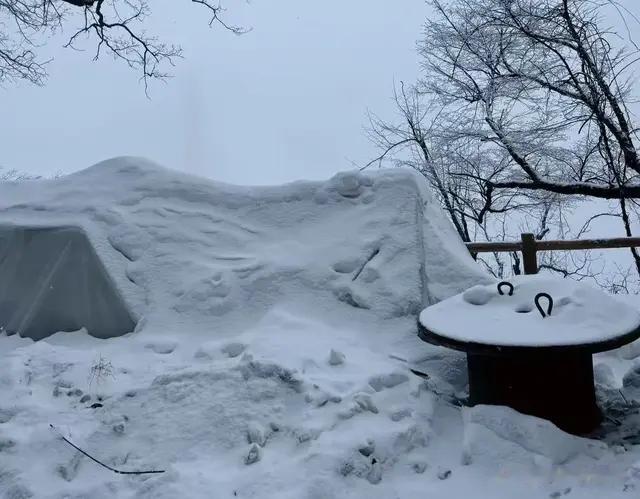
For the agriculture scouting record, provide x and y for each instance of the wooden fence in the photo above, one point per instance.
(529, 247)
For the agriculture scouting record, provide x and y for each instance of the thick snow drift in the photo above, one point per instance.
(183, 249)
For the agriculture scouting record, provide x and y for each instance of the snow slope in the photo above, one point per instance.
(276, 328)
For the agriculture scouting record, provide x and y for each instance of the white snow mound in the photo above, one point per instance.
(496, 433)
(184, 249)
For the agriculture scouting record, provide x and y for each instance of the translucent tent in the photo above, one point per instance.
(52, 280)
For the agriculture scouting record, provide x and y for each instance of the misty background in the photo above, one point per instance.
(286, 101)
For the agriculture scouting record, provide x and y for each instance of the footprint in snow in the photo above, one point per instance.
(386, 381)
(162, 347)
(6, 415)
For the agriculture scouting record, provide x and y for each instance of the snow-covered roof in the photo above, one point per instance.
(581, 314)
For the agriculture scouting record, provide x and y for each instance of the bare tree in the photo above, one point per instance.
(416, 140)
(115, 25)
(528, 99)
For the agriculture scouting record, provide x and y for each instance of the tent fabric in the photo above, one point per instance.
(52, 280)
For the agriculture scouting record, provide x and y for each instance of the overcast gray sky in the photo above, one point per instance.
(286, 101)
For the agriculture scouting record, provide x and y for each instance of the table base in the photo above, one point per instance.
(557, 386)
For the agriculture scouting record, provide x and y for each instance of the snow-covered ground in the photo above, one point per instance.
(276, 329)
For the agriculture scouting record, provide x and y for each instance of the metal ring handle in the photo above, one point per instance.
(505, 283)
(549, 306)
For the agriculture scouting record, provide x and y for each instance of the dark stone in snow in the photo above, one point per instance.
(367, 450)
(558, 493)
(443, 475)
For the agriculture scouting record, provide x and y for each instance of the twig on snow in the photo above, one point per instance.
(100, 462)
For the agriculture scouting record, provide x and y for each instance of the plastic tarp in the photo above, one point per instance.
(52, 280)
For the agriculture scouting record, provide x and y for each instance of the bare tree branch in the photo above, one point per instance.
(116, 26)
(521, 114)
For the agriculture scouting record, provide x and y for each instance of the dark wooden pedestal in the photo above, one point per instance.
(551, 382)
(557, 386)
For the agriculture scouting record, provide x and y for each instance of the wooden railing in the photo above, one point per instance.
(529, 247)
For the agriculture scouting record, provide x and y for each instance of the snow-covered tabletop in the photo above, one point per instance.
(581, 315)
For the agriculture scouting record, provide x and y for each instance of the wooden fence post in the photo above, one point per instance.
(529, 256)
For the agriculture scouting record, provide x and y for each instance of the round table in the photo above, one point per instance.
(554, 381)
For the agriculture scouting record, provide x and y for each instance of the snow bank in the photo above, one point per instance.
(523, 456)
(248, 416)
(185, 250)
(497, 433)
